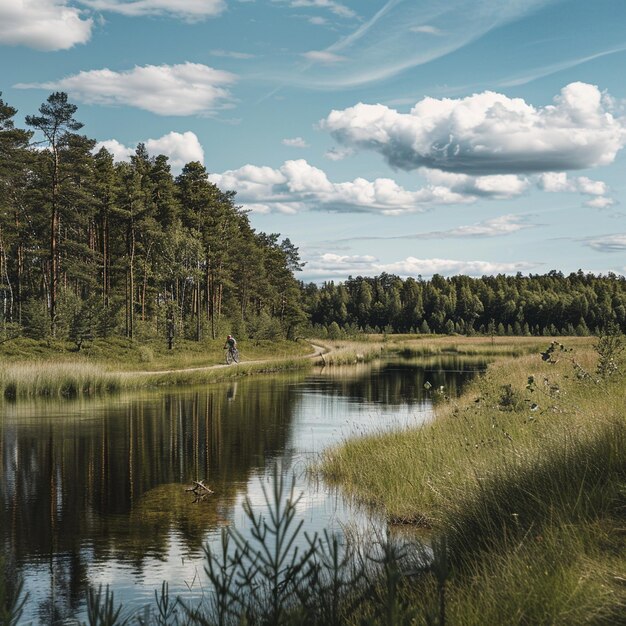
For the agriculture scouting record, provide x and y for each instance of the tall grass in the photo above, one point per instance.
(344, 352)
(526, 478)
(23, 380)
(30, 380)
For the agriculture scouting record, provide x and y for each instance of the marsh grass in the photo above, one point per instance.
(23, 380)
(525, 475)
(70, 380)
(350, 352)
(55, 371)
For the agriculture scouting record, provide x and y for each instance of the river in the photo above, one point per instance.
(93, 491)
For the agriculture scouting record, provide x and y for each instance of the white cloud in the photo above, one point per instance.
(332, 266)
(487, 133)
(185, 9)
(609, 243)
(119, 151)
(600, 202)
(555, 182)
(412, 266)
(42, 24)
(299, 186)
(426, 29)
(495, 227)
(180, 148)
(501, 186)
(338, 154)
(560, 182)
(185, 89)
(335, 7)
(386, 43)
(231, 54)
(295, 142)
(323, 56)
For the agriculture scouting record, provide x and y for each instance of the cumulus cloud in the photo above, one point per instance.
(555, 182)
(560, 182)
(185, 89)
(600, 203)
(500, 186)
(295, 142)
(332, 266)
(185, 9)
(488, 133)
(608, 243)
(297, 185)
(42, 24)
(180, 148)
(119, 151)
(412, 266)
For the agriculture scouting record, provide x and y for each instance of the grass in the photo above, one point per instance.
(50, 368)
(62, 379)
(526, 478)
(348, 352)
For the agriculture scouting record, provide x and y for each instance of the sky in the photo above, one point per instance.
(404, 136)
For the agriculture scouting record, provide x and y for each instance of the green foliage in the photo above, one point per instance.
(95, 248)
(35, 319)
(101, 609)
(609, 347)
(263, 326)
(334, 331)
(549, 305)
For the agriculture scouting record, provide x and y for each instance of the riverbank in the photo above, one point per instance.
(48, 368)
(30, 368)
(525, 477)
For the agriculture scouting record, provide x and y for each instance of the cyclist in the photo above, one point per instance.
(231, 344)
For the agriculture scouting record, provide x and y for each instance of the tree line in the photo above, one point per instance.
(91, 247)
(550, 304)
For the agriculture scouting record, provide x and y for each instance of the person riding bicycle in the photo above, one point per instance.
(231, 343)
(232, 354)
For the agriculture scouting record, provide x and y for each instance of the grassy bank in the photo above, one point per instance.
(525, 475)
(29, 368)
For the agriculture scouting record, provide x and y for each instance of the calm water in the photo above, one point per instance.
(93, 492)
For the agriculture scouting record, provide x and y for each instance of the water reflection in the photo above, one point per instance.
(94, 491)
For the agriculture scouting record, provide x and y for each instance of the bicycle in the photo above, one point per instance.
(232, 355)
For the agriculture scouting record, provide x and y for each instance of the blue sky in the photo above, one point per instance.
(406, 136)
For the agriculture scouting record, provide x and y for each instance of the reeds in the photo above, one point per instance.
(69, 380)
(26, 380)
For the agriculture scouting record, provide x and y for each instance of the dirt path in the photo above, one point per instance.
(318, 351)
